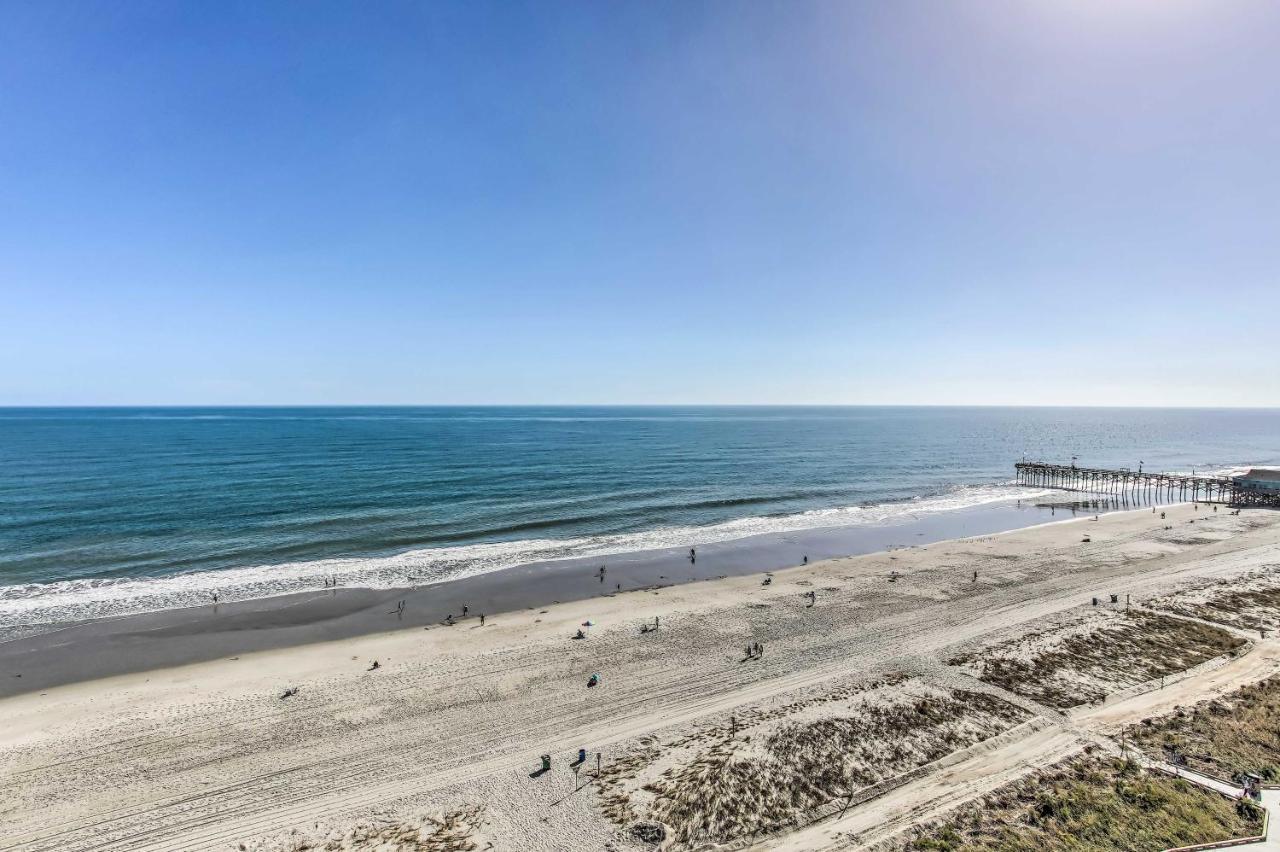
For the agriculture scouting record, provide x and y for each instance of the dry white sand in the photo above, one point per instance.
(208, 756)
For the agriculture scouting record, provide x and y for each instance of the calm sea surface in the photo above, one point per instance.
(112, 510)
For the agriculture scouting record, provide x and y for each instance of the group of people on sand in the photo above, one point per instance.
(755, 651)
(449, 620)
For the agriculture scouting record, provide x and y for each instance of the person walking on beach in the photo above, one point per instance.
(975, 576)
(215, 598)
(482, 619)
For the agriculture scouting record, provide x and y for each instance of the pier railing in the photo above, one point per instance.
(1140, 484)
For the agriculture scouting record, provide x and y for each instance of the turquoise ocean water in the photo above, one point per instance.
(106, 511)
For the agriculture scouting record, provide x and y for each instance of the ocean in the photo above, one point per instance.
(109, 511)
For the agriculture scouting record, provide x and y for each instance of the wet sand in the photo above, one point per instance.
(143, 642)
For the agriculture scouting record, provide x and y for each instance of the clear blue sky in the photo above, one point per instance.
(594, 202)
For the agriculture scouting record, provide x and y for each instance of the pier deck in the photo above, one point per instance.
(1143, 485)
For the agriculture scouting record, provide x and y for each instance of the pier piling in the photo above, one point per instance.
(1127, 484)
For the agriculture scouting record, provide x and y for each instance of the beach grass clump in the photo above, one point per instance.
(452, 831)
(783, 770)
(1250, 603)
(1077, 667)
(1088, 803)
(1239, 732)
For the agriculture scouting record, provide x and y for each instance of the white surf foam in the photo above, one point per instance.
(28, 608)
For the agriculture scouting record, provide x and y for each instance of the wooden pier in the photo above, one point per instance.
(1138, 485)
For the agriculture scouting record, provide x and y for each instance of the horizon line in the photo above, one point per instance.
(221, 405)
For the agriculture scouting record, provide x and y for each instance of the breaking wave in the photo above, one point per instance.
(32, 607)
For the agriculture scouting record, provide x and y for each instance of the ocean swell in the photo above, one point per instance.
(33, 607)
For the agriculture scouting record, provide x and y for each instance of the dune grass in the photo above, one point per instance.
(1089, 803)
(1251, 609)
(776, 774)
(452, 831)
(1081, 668)
(1239, 732)
(733, 791)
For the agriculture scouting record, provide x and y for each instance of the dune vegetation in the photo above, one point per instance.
(785, 764)
(1239, 732)
(1088, 803)
(1250, 603)
(1070, 665)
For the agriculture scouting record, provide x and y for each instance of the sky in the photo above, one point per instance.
(907, 202)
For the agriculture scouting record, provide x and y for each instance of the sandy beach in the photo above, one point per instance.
(53, 654)
(438, 746)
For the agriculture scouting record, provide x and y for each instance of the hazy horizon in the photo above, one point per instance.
(589, 405)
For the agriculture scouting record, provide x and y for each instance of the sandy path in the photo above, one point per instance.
(943, 790)
(935, 794)
(204, 756)
(1270, 801)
